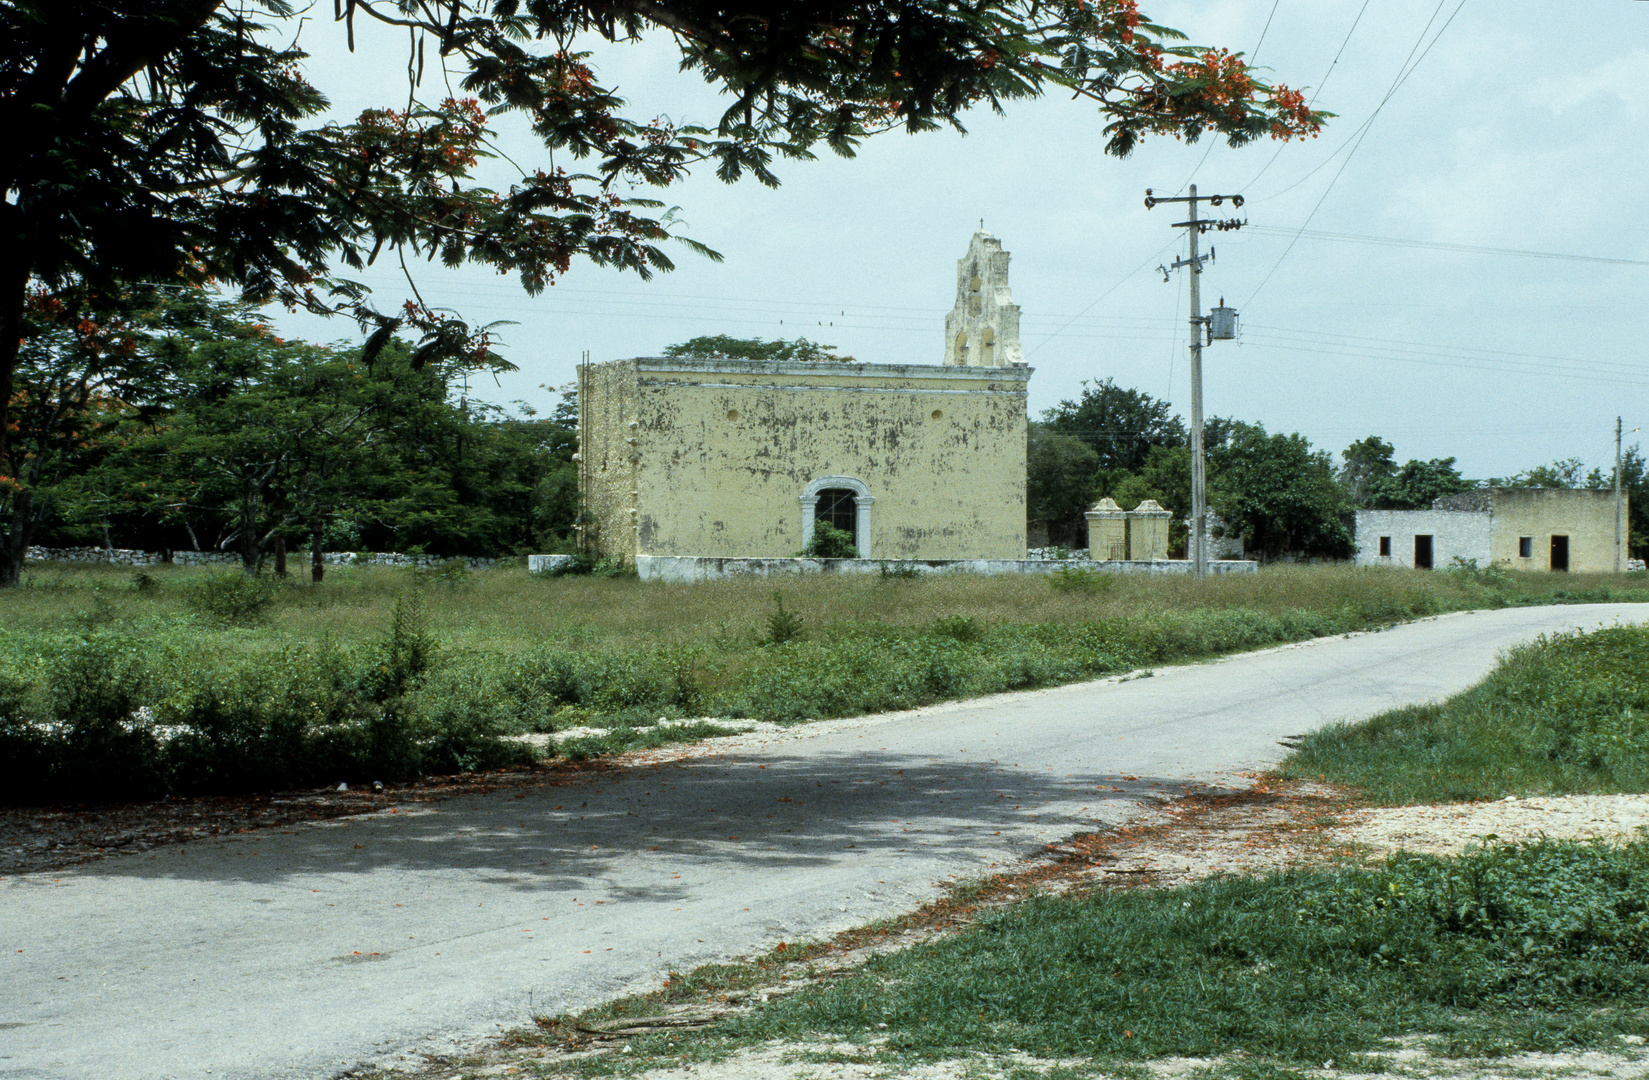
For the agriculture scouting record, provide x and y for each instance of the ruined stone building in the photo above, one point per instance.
(1518, 528)
(739, 458)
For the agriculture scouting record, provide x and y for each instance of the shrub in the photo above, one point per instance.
(963, 628)
(829, 542)
(1080, 579)
(234, 597)
(782, 625)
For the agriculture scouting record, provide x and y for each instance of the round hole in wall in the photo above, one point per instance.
(938, 415)
(732, 414)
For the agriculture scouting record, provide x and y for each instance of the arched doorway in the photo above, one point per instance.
(845, 502)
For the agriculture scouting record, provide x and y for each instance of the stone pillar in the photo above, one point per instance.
(1148, 531)
(1107, 531)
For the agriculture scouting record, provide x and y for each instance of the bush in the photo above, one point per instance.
(829, 542)
(234, 598)
(782, 625)
(1079, 579)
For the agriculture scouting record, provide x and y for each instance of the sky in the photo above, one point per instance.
(1459, 264)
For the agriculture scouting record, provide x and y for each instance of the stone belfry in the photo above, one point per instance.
(982, 330)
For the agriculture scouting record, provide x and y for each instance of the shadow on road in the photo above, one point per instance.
(778, 812)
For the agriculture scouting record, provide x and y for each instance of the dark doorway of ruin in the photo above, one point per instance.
(1560, 553)
(1422, 553)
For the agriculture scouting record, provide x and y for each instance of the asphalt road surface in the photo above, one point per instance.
(307, 952)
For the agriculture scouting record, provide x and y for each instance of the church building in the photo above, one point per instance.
(739, 458)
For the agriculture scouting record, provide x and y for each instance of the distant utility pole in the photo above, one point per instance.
(1222, 326)
(1621, 532)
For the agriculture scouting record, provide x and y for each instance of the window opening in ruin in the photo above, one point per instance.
(1385, 546)
(1560, 553)
(1525, 547)
(840, 507)
(1422, 553)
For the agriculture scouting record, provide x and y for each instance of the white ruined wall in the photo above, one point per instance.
(1463, 534)
(982, 330)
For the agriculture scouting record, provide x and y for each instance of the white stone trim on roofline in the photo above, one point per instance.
(830, 389)
(828, 368)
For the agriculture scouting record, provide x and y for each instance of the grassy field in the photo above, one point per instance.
(1539, 947)
(1561, 716)
(251, 684)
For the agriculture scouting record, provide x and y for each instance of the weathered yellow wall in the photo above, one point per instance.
(1586, 517)
(726, 447)
(609, 463)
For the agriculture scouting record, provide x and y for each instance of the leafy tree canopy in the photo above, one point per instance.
(1281, 494)
(722, 347)
(1059, 482)
(1121, 425)
(1567, 473)
(181, 141)
(1416, 485)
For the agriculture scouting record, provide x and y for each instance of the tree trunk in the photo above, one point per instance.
(250, 550)
(280, 556)
(14, 543)
(14, 283)
(317, 564)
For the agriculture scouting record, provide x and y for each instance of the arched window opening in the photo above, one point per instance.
(840, 507)
(845, 502)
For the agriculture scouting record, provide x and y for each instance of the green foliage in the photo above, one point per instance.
(722, 347)
(585, 564)
(1534, 947)
(1059, 481)
(898, 572)
(1567, 714)
(829, 542)
(234, 598)
(371, 676)
(964, 628)
(1281, 495)
(1416, 485)
(1120, 425)
(783, 626)
(1077, 579)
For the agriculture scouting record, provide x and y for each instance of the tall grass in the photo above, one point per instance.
(180, 681)
(1565, 714)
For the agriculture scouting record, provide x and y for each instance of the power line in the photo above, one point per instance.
(1316, 93)
(1436, 245)
(1402, 77)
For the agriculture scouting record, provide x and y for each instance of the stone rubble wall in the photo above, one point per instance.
(295, 560)
(689, 568)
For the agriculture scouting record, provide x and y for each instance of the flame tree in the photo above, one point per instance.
(181, 141)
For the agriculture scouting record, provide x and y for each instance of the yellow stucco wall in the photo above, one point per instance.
(725, 449)
(1586, 517)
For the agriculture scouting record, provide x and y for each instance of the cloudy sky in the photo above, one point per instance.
(1459, 264)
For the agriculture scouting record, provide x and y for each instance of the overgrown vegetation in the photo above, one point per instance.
(1534, 947)
(1565, 714)
(174, 681)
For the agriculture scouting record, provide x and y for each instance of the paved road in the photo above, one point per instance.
(303, 953)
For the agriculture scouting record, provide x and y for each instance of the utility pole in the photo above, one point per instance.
(1223, 327)
(1617, 495)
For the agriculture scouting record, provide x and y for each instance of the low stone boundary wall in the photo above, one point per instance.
(685, 568)
(295, 559)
